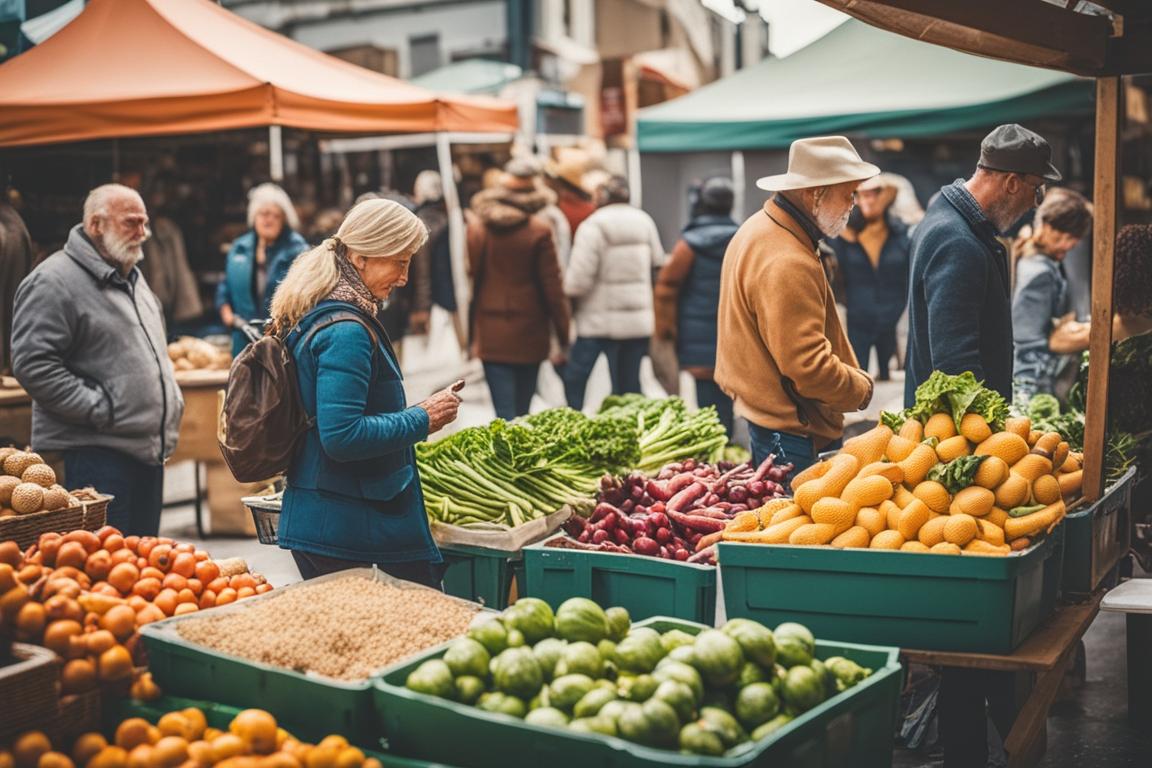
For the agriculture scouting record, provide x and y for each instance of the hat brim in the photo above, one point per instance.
(1053, 175)
(788, 181)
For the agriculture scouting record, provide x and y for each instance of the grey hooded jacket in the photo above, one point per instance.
(89, 347)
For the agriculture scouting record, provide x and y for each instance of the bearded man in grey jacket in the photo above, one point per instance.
(89, 346)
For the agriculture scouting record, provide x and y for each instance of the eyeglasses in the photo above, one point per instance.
(1040, 191)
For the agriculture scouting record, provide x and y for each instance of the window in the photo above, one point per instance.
(423, 54)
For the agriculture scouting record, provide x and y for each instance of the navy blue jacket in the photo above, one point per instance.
(236, 287)
(875, 296)
(959, 302)
(708, 237)
(353, 489)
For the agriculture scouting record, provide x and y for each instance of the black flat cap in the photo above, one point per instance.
(1015, 149)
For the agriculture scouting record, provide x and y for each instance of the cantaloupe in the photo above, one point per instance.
(934, 495)
(1021, 426)
(1046, 490)
(913, 546)
(945, 548)
(855, 537)
(867, 491)
(813, 534)
(1013, 492)
(960, 529)
(974, 500)
(912, 430)
(975, 428)
(953, 448)
(886, 469)
(871, 520)
(1006, 445)
(932, 532)
(991, 472)
(912, 518)
(838, 513)
(841, 469)
(918, 464)
(1032, 466)
(887, 540)
(869, 446)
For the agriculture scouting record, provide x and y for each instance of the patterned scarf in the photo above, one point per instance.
(350, 287)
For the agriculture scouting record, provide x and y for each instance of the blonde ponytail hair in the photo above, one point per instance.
(372, 229)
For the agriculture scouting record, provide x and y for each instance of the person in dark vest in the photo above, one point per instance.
(688, 291)
(873, 255)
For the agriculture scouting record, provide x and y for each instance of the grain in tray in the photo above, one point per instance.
(346, 628)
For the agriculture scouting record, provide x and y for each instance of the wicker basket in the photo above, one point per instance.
(265, 515)
(25, 530)
(79, 713)
(95, 508)
(28, 690)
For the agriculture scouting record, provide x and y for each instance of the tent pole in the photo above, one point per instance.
(456, 234)
(1108, 107)
(738, 184)
(634, 179)
(275, 153)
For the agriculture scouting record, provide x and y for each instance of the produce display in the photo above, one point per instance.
(1129, 386)
(679, 514)
(84, 595)
(29, 485)
(183, 738)
(507, 473)
(589, 670)
(956, 476)
(1046, 415)
(347, 628)
(189, 353)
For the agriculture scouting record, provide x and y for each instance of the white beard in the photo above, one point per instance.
(124, 253)
(830, 226)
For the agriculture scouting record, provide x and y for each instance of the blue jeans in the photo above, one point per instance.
(796, 449)
(708, 393)
(138, 487)
(624, 358)
(512, 386)
(862, 341)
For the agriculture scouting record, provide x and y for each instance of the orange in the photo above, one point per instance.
(55, 760)
(350, 757)
(207, 571)
(71, 553)
(207, 599)
(144, 545)
(228, 745)
(262, 588)
(115, 664)
(166, 601)
(10, 553)
(143, 689)
(132, 543)
(110, 757)
(184, 564)
(99, 641)
(175, 582)
(322, 758)
(86, 539)
(6, 760)
(169, 752)
(148, 572)
(217, 584)
(123, 555)
(244, 592)
(88, 746)
(132, 732)
(196, 721)
(30, 621)
(114, 542)
(120, 620)
(124, 577)
(185, 608)
(59, 633)
(77, 676)
(104, 531)
(186, 596)
(242, 580)
(27, 749)
(59, 607)
(280, 760)
(200, 752)
(225, 596)
(49, 545)
(147, 588)
(140, 757)
(176, 724)
(98, 564)
(149, 614)
(161, 557)
(257, 728)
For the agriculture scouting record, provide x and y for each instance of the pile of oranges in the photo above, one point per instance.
(84, 594)
(183, 738)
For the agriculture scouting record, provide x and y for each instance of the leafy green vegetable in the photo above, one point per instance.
(957, 474)
(959, 395)
(894, 421)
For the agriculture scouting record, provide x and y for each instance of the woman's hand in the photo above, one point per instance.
(227, 316)
(442, 408)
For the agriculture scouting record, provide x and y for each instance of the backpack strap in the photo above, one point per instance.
(340, 315)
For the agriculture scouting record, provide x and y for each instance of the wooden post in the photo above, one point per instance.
(1108, 107)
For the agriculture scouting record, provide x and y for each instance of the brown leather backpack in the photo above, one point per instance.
(263, 415)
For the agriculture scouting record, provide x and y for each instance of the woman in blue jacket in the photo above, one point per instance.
(874, 256)
(258, 260)
(353, 496)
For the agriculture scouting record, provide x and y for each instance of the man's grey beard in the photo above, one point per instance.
(124, 253)
(1002, 215)
(831, 227)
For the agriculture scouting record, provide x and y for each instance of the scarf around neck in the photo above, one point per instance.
(350, 287)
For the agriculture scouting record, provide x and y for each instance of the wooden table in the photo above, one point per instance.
(197, 440)
(1045, 656)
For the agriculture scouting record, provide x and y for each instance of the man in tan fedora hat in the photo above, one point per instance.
(782, 354)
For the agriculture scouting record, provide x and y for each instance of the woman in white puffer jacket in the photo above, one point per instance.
(609, 280)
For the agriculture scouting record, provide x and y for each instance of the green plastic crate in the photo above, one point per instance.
(481, 575)
(311, 706)
(218, 716)
(913, 600)
(1097, 537)
(646, 586)
(851, 730)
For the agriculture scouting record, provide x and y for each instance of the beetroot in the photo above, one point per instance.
(627, 505)
(658, 519)
(600, 536)
(663, 535)
(682, 554)
(622, 536)
(643, 545)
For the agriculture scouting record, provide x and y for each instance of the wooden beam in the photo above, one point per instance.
(1108, 106)
(1023, 31)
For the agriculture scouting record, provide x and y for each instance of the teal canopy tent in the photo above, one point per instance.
(863, 82)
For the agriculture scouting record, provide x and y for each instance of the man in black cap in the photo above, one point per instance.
(960, 300)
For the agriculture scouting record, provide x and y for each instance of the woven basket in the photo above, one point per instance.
(28, 690)
(25, 530)
(79, 713)
(95, 508)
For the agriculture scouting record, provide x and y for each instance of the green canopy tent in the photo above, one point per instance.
(862, 82)
(475, 76)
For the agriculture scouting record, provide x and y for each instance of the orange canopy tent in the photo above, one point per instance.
(128, 68)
